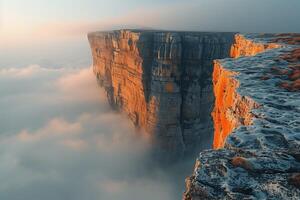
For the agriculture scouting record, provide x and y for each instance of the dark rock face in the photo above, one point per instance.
(261, 147)
(162, 80)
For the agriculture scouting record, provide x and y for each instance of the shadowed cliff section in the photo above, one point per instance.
(162, 80)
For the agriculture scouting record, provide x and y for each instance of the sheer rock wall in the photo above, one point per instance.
(163, 81)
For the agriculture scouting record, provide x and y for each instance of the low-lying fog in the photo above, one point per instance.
(59, 139)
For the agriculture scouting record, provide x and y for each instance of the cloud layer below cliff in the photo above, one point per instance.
(60, 140)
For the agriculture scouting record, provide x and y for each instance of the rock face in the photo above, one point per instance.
(257, 123)
(230, 109)
(173, 89)
(163, 81)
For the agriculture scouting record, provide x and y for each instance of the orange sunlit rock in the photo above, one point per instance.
(231, 109)
(244, 47)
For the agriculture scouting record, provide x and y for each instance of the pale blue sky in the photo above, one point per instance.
(30, 17)
(41, 10)
(199, 10)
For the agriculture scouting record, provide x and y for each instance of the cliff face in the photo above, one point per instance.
(170, 84)
(230, 108)
(257, 121)
(162, 80)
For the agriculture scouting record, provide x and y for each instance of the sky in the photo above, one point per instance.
(73, 17)
(59, 139)
(45, 26)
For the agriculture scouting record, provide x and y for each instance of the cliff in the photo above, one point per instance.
(163, 81)
(189, 90)
(257, 123)
(230, 108)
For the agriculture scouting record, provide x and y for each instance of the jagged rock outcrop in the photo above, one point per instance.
(163, 81)
(257, 121)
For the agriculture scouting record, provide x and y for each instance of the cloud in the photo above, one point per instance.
(81, 86)
(20, 73)
(60, 140)
(54, 128)
(75, 144)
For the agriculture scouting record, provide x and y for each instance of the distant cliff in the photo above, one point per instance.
(163, 81)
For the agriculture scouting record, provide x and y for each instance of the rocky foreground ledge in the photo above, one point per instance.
(257, 123)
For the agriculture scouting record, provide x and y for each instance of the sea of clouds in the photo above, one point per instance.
(60, 140)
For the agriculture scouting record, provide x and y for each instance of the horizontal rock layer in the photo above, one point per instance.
(163, 81)
(257, 121)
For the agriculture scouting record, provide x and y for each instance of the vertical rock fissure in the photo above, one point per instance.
(147, 63)
(182, 92)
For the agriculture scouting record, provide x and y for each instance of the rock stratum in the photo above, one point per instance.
(189, 91)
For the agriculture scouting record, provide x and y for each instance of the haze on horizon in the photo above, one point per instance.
(43, 30)
(45, 19)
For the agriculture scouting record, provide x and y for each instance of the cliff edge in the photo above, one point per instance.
(257, 123)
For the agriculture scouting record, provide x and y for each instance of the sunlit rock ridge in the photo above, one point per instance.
(163, 81)
(236, 93)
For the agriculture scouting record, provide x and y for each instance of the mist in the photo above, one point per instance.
(60, 140)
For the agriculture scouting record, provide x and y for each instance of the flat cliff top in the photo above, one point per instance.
(261, 160)
(152, 31)
(145, 32)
